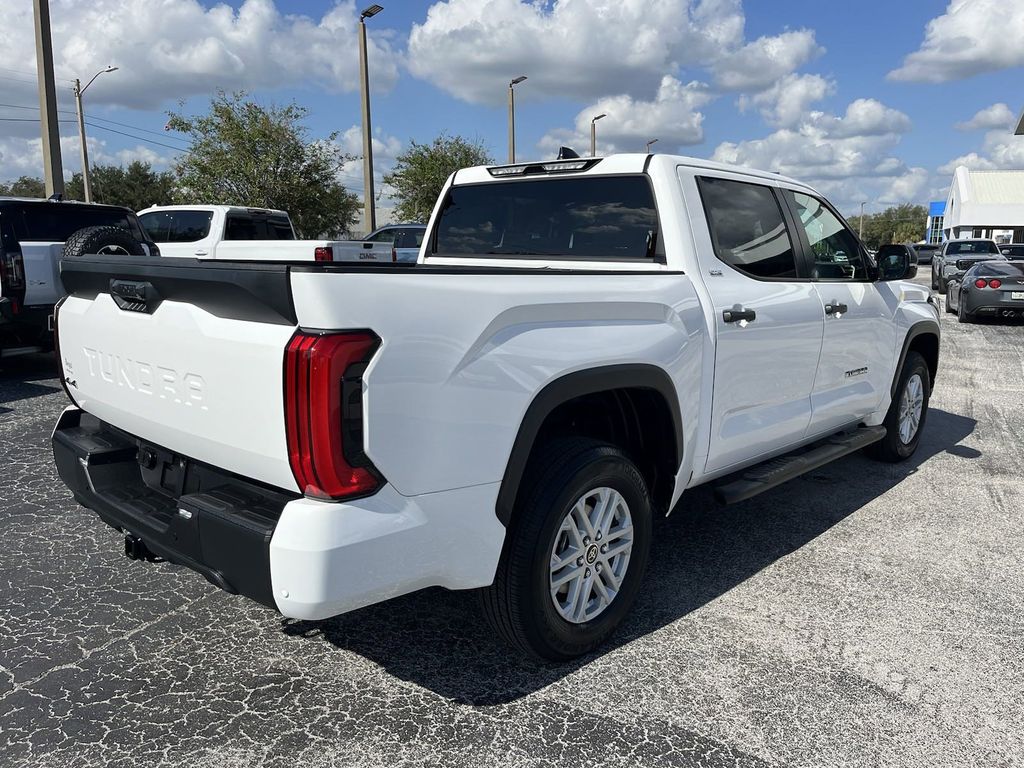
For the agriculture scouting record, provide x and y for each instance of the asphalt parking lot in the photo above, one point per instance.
(865, 614)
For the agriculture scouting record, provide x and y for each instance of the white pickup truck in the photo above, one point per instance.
(252, 234)
(580, 343)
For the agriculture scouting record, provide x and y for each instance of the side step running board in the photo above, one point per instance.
(761, 477)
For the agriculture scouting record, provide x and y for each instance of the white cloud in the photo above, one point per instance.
(672, 117)
(848, 158)
(971, 37)
(786, 102)
(385, 150)
(996, 116)
(179, 48)
(1001, 151)
(23, 156)
(586, 50)
(762, 62)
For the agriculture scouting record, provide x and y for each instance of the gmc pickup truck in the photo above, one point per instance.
(579, 344)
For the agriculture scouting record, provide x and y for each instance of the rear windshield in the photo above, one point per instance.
(55, 222)
(590, 219)
(1012, 250)
(177, 226)
(998, 269)
(971, 246)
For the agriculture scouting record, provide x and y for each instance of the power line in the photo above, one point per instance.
(131, 136)
(101, 119)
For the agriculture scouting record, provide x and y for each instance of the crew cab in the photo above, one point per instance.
(32, 237)
(253, 234)
(580, 343)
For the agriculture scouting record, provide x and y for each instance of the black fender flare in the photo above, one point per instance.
(920, 328)
(569, 387)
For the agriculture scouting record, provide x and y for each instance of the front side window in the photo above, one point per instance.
(176, 226)
(590, 219)
(747, 228)
(382, 236)
(835, 250)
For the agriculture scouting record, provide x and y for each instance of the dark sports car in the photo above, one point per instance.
(988, 289)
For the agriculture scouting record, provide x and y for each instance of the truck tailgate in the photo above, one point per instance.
(185, 355)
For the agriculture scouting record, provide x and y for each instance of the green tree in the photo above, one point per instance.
(896, 224)
(421, 171)
(25, 186)
(136, 186)
(243, 153)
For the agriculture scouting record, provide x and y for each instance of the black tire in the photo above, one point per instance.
(963, 315)
(892, 448)
(935, 280)
(518, 605)
(948, 306)
(102, 240)
(942, 286)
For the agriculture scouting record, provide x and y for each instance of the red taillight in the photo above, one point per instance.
(323, 413)
(323, 253)
(12, 279)
(994, 283)
(979, 283)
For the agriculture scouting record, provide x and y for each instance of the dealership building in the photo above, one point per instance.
(982, 204)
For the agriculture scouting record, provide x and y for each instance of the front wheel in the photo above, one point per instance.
(942, 285)
(575, 553)
(905, 419)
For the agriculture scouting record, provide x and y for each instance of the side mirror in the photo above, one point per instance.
(895, 264)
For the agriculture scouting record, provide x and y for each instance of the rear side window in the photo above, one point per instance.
(245, 227)
(591, 219)
(177, 226)
(56, 222)
(409, 238)
(747, 228)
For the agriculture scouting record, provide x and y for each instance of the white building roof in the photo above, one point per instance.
(985, 199)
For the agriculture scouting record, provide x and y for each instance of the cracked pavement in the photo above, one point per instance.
(863, 615)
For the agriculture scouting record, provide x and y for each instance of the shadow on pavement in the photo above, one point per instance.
(27, 376)
(437, 639)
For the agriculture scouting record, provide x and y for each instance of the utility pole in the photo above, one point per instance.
(593, 134)
(369, 209)
(512, 117)
(53, 171)
(79, 90)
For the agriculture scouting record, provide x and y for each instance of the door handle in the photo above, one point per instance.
(200, 253)
(739, 314)
(836, 308)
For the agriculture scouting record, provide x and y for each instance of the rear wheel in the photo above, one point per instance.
(905, 419)
(575, 553)
(963, 315)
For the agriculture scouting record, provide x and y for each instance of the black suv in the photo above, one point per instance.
(32, 237)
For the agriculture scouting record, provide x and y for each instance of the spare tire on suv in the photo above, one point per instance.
(111, 241)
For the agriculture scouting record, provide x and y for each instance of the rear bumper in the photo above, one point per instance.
(307, 559)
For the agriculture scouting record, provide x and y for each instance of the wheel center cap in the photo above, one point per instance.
(591, 554)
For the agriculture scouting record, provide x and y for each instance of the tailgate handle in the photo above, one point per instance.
(134, 295)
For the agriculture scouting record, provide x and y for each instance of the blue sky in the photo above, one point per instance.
(861, 99)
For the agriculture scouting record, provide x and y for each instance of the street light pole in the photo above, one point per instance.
(369, 210)
(79, 90)
(512, 117)
(652, 141)
(593, 134)
(860, 233)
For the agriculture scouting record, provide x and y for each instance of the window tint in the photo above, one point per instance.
(177, 226)
(997, 268)
(592, 218)
(747, 228)
(409, 238)
(256, 227)
(835, 250)
(383, 236)
(1012, 251)
(971, 246)
(54, 222)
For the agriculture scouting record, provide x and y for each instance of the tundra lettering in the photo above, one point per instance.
(185, 389)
